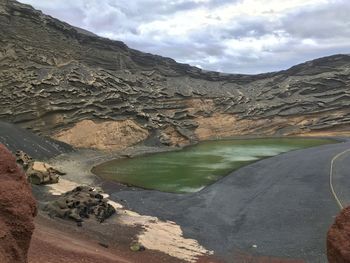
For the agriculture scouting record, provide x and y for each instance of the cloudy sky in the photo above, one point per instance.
(237, 36)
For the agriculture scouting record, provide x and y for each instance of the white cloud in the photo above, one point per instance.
(243, 36)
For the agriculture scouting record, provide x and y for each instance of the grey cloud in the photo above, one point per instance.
(148, 10)
(326, 24)
(325, 21)
(249, 27)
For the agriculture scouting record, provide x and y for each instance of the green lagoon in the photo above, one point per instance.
(193, 168)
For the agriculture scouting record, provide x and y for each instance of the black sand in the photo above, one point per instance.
(15, 138)
(281, 206)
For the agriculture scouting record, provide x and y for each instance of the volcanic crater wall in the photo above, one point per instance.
(54, 76)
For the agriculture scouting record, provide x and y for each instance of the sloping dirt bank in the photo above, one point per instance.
(108, 135)
(58, 241)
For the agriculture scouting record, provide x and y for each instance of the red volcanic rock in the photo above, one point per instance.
(17, 210)
(338, 238)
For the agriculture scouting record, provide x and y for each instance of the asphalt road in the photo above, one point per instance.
(281, 206)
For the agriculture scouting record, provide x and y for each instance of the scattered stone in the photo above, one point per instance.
(79, 204)
(137, 247)
(103, 244)
(23, 159)
(126, 155)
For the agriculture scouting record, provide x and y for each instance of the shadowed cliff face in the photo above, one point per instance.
(54, 76)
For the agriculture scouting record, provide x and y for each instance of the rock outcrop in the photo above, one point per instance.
(37, 172)
(81, 203)
(338, 238)
(54, 77)
(17, 210)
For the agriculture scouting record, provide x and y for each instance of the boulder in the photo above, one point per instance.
(42, 173)
(23, 159)
(17, 210)
(338, 238)
(38, 172)
(79, 204)
(135, 247)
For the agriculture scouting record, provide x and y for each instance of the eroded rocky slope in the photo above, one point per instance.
(54, 79)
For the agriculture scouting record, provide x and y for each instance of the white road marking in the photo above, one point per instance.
(331, 178)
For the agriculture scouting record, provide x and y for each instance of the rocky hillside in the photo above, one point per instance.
(94, 92)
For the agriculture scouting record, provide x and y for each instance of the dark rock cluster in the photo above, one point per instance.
(79, 204)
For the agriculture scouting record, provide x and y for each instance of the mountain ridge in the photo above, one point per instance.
(56, 80)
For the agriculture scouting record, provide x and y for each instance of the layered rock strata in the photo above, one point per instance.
(55, 78)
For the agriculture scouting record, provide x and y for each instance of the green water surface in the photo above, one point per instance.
(193, 168)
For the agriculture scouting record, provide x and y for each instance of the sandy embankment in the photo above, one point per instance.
(107, 135)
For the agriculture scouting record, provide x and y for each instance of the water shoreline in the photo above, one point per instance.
(195, 177)
(166, 206)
